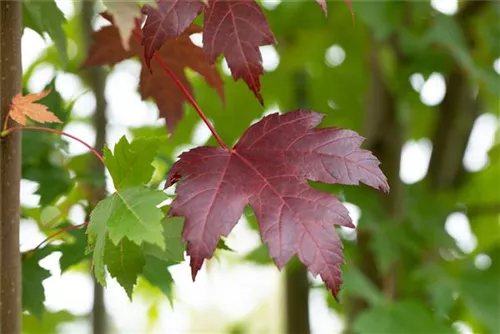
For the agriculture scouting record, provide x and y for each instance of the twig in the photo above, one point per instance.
(187, 94)
(66, 229)
(41, 128)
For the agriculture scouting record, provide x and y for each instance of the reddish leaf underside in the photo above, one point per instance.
(170, 19)
(178, 53)
(236, 29)
(268, 169)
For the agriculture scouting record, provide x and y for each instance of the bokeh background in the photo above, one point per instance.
(419, 79)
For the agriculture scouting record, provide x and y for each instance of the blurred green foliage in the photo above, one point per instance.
(437, 284)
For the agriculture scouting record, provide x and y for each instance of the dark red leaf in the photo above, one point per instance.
(268, 168)
(170, 19)
(236, 29)
(178, 54)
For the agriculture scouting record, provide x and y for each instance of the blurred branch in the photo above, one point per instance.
(476, 210)
(471, 8)
(97, 81)
(457, 115)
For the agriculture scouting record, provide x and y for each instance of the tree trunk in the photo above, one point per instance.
(385, 137)
(10, 170)
(96, 78)
(297, 300)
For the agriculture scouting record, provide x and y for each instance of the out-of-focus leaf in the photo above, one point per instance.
(125, 262)
(48, 325)
(156, 272)
(400, 317)
(73, 251)
(356, 284)
(32, 277)
(439, 285)
(479, 292)
(260, 255)
(45, 16)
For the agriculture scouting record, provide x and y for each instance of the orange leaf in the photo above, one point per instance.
(23, 106)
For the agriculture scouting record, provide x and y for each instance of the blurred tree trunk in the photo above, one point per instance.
(457, 113)
(385, 138)
(10, 170)
(296, 282)
(96, 77)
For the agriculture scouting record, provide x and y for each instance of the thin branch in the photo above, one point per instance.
(41, 128)
(66, 229)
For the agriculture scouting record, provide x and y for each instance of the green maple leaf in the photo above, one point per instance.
(157, 274)
(130, 165)
(174, 246)
(74, 252)
(125, 262)
(32, 277)
(97, 234)
(131, 213)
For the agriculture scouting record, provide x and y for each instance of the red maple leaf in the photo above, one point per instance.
(236, 29)
(170, 19)
(268, 168)
(178, 53)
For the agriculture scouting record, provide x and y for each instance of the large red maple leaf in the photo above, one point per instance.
(178, 53)
(236, 29)
(170, 19)
(268, 168)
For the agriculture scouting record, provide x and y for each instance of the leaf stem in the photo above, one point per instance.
(187, 94)
(41, 128)
(66, 229)
(5, 122)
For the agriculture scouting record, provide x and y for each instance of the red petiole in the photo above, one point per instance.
(186, 93)
(52, 236)
(41, 128)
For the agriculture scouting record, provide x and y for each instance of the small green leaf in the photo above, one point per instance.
(400, 317)
(49, 324)
(97, 234)
(131, 213)
(45, 16)
(174, 246)
(32, 277)
(157, 274)
(222, 245)
(130, 165)
(74, 252)
(125, 262)
(259, 255)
